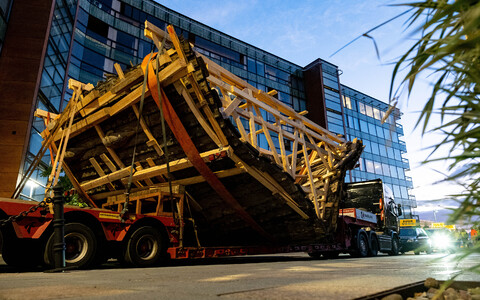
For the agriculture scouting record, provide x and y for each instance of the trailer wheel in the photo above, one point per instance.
(362, 245)
(395, 248)
(373, 251)
(80, 247)
(315, 255)
(145, 247)
(21, 253)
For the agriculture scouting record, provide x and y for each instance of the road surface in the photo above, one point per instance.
(294, 276)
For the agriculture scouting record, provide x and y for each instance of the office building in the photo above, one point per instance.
(86, 37)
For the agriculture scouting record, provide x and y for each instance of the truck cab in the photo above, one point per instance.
(375, 197)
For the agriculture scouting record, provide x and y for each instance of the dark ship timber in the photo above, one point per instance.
(239, 193)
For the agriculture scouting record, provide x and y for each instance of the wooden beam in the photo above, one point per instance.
(310, 176)
(253, 132)
(107, 178)
(294, 153)
(174, 166)
(321, 135)
(152, 142)
(227, 111)
(108, 162)
(267, 181)
(206, 110)
(119, 71)
(151, 163)
(100, 172)
(181, 89)
(285, 162)
(176, 44)
(139, 167)
(240, 127)
(267, 136)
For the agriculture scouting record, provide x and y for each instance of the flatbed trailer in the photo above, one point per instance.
(89, 231)
(179, 157)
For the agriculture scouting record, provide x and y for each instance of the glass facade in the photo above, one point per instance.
(52, 87)
(89, 36)
(384, 149)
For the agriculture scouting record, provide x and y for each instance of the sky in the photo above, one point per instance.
(302, 31)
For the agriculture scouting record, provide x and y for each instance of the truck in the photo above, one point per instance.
(179, 158)
(368, 222)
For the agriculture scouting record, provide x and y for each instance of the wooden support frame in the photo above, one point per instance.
(308, 153)
(316, 153)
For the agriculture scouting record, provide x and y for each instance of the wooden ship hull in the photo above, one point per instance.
(238, 192)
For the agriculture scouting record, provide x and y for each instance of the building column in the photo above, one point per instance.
(21, 63)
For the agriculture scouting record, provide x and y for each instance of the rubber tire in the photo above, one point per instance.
(148, 240)
(315, 255)
(416, 252)
(362, 246)
(373, 249)
(78, 238)
(395, 247)
(429, 250)
(21, 253)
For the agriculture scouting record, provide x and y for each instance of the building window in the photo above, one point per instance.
(361, 107)
(97, 29)
(369, 111)
(375, 149)
(385, 169)
(369, 166)
(401, 173)
(364, 126)
(378, 167)
(393, 171)
(376, 114)
(347, 102)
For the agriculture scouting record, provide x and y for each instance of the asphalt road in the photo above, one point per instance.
(294, 276)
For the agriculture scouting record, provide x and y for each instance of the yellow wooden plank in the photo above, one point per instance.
(267, 136)
(271, 101)
(231, 107)
(152, 142)
(240, 127)
(285, 162)
(176, 44)
(188, 99)
(207, 111)
(253, 135)
(174, 166)
(106, 179)
(270, 107)
(151, 163)
(119, 71)
(100, 172)
(310, 176)
(294, 153)
(139, 167)
(108, 162)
